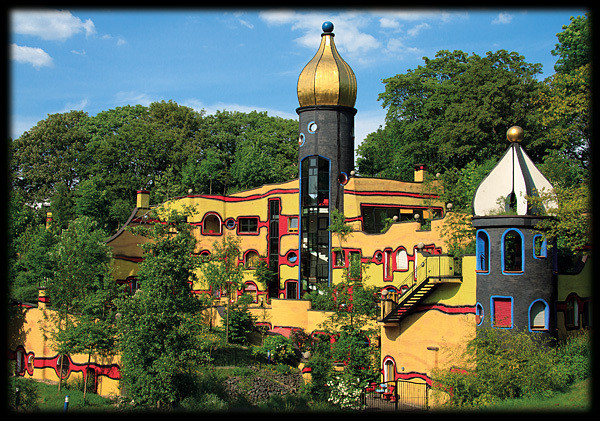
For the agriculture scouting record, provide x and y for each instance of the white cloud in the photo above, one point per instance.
(502, 18)
(56, 25)
(78, 106)
(34, 56)
(414, 31)
(123, 98)
(358, 37)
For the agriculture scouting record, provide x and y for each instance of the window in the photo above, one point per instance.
(291, 289)
(479, 314)
(293, 224)
(538, 315)
(251, 261)
(314, 214)
(572, 312)
(540, 249)
(355, 266)
(482, 251)
(401, 259)
(502, 312)
(211, 225)
(248, 225)
(389, 370)
(63, 366)
(512, 252)
(251, 290)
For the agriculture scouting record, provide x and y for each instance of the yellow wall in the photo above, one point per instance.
(427, 339)
(32, 329)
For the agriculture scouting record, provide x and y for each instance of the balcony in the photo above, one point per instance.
(434, 270)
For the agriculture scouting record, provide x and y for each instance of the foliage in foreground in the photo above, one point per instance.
(499, 364)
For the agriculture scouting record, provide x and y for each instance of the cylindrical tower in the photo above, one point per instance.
(516, 283)
(326, 94)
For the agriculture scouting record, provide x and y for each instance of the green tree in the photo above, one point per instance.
(454, 109)
(82, 284)
(574, 49)
(49, 154)
(222, 272)
(160, 327)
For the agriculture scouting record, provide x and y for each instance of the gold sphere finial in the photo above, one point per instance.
(514, 134)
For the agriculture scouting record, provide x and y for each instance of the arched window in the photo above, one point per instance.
(389, 369)
(482, 252)
(251, 260)
(211, 225)
(401, 259)
(540, 246)
(538, 315)
(572, 312)
(512, 252)
(251, 289)
(478, 314)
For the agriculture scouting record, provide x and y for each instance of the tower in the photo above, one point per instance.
(326, 94)
(516, 285)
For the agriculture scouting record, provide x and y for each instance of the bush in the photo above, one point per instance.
(27, 397)
(345, 391)
(501, 364)
(276, 349)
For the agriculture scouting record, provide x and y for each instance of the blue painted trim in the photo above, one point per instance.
(520, 272)
(546, 316)
(544, 248)
(479, 307)
(478, 252)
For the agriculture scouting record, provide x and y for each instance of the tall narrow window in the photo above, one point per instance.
(401, 259)
(512, 252)
(482, 252)
(502, 312)
(540, 249)
(314, 237)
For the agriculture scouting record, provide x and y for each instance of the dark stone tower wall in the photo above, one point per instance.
(537, 281)
(332, 139)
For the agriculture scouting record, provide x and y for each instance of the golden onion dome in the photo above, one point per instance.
(327, 79)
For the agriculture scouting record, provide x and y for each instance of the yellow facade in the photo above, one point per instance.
(33, 354)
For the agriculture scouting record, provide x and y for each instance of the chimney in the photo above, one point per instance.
(419, 173)
(143, 199)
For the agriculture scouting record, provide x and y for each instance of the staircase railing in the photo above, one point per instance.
(433, 266)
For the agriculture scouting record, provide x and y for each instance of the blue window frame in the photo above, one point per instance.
(539, 315)
(479, 314)
(513, 252)
(540, 247)
(482, 247)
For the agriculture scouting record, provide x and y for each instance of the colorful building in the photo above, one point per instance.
(429, 301)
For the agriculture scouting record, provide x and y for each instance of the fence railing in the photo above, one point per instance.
(396, 395)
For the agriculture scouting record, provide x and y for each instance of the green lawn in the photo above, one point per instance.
(49, 399)
(577, 398)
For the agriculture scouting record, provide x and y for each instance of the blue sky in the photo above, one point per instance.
(242, 60)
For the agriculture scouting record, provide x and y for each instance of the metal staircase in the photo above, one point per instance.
(432, 272)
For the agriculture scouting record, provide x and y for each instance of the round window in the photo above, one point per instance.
(312, 127)
(301, 139)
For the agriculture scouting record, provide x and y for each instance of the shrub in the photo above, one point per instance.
(345, 391)
(276, 349)
(27, 397)
(503, 364)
